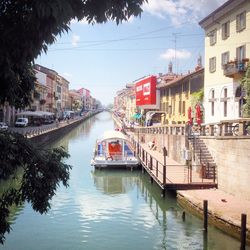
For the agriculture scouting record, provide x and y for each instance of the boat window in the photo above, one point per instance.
(127, 150)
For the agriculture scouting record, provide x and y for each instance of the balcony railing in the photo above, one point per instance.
(235, 69)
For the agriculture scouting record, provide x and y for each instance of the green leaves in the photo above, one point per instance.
(28, 27)
(245, 83)
(197, 97)
(43, 171)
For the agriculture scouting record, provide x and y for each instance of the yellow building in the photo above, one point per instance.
(175, 95)
(227, 50)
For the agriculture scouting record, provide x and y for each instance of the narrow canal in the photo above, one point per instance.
(108, 209)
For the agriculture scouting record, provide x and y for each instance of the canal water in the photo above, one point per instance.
(108, 209)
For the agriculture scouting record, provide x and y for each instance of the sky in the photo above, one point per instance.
(105, 57)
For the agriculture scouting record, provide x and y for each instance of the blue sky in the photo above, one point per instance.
(105, 57)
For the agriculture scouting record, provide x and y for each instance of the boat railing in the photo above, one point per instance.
(119, 156)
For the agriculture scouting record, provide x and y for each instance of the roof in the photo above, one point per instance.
(112, 134)
(178, 78)
(224, 9)
(167, 83)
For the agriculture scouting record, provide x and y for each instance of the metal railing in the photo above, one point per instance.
(239, 127)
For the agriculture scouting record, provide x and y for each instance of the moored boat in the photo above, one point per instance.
(114, 150)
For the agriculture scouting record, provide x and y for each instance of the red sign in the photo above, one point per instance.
(146, 91)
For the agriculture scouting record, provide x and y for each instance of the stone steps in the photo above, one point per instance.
(202, 153)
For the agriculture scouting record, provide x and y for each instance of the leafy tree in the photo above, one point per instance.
(245, 83)
(42, 172)
(27, 28)
(197, 97)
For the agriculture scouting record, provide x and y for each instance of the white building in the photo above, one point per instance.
(227, 49)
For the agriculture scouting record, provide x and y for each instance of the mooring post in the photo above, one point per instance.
(205, 215)
(163, 193)
(243, 232)
(183, 216)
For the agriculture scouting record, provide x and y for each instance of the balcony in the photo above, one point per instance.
(236, 69)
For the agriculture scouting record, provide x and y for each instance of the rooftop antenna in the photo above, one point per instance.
(175, 42)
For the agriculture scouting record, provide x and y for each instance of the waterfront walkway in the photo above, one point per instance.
(224, 209)
(175, 176)
(33, 131)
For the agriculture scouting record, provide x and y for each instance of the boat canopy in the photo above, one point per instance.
(113, 135)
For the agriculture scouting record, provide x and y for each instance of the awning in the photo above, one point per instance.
(35, 113)
(29, 113)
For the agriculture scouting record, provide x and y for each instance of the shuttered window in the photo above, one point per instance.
(240, 53)
(224, 58)
(213, 37)
(212, 64)
(225, 30)
(241, 21)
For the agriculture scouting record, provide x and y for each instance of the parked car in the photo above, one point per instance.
(21, 122)
(3, 126)
(48, 121)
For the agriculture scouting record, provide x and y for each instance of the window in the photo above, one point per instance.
(240, 53)
(212, 100)
(213, 37)
(225, 30)
(212, 64)
(225, 102)
(58, 89)
(224, 58)
(179, 107)
(241, 21)
(183, 107)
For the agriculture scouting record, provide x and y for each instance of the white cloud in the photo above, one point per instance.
(182, 11)
(75, 40)
(179, 54)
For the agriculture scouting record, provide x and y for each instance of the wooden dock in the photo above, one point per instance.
(169, 174)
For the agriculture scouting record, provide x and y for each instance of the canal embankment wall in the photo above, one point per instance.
(232, 157)
(232, 198)
(174, 144)
(49, 136)
(230, 153)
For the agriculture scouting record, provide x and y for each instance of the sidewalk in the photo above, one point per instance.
(225, 209)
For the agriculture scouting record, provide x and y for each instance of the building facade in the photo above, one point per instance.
(176, 95)
(227, 51)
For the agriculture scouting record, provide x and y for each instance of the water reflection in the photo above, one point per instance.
(114, 182)
(175, 231)
(109, 209)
